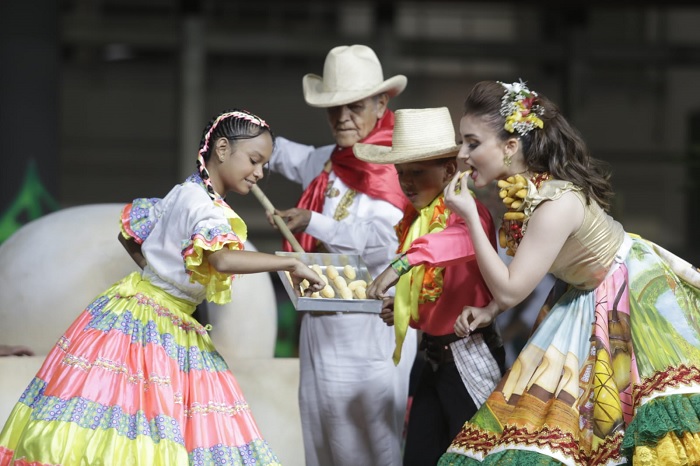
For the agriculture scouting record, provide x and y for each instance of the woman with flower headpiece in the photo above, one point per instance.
(611, 373)
(136, 379)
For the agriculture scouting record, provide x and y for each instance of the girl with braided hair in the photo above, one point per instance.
(135, 379)
(611, 372)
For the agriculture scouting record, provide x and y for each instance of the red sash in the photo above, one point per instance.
(375, 180)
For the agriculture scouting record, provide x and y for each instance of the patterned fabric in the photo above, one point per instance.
(170, 400)
(610, 375)
(477, 367)
(206, 239)
(138, 219)
(401, 265)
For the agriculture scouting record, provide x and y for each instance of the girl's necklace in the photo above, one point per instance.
(514, 190)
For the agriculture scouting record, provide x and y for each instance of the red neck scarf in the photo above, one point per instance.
(374, 180)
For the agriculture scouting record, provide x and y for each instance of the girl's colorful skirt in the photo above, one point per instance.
(134, 381)
(609, 376)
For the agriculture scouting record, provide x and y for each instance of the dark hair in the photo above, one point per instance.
(557, 148)
(233, 125)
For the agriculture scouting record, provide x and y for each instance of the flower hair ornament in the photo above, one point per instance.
(519, 108)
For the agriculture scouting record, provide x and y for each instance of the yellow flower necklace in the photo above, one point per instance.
(514, 190)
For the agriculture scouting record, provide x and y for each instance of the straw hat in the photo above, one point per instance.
(419, 134)
(350, 73)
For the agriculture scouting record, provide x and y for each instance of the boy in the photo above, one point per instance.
(436, 276)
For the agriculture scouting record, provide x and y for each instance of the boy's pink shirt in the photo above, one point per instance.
(463, 285)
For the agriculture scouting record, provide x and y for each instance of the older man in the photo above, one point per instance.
(352, 397)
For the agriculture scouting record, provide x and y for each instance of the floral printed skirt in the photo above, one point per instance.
(135, 380)
(609, 376)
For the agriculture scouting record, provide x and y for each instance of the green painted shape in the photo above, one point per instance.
(33, 199)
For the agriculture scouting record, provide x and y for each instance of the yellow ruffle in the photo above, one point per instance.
(217, 284)
(670, 451)
(87, 446)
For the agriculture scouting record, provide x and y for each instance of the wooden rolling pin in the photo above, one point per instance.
(267, 205)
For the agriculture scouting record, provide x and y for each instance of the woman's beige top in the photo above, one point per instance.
(588, 254)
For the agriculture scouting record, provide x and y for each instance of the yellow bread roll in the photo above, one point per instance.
(328, 292)
(331, 272)
(349, 272)
(354, 284)
(360, 292)
(340, 283)
(315, 294)
(317, 268)
(345, 293)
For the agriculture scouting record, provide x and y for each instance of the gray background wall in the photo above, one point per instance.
(135, 81)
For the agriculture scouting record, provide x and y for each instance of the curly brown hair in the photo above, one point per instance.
(558, 148)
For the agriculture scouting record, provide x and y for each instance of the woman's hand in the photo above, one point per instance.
(459, 200)
(383, 282)
(302, 271)
(472, 318)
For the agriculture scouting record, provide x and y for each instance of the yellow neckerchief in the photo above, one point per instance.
(420, 284)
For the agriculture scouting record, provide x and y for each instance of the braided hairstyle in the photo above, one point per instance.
(557, 148)
(233, 125)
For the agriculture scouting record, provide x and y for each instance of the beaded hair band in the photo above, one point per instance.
(519, 108)
(201, 166)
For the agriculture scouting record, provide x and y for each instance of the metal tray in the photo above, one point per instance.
(330, 304)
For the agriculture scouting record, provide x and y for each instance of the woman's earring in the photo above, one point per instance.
(507, 159)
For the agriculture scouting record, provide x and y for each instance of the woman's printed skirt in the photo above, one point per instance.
(134, 381)
(609, 376)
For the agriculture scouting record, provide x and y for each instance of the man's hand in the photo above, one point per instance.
(387, 313)
(296, 219)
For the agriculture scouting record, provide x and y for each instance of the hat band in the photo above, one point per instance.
(412, 148)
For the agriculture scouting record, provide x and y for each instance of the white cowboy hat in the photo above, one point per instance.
(419, 134)
(350, 73)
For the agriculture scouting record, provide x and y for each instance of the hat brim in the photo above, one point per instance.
(386, 155)
(316, 97)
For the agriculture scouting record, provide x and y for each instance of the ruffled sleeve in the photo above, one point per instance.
(549, 191)
(224, 230)
(138, 219)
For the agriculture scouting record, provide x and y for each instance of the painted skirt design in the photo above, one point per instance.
(626, 391)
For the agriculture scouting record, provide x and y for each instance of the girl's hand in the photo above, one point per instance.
(472, 318)
(383, 282)
(459, 200)
(302, 271)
